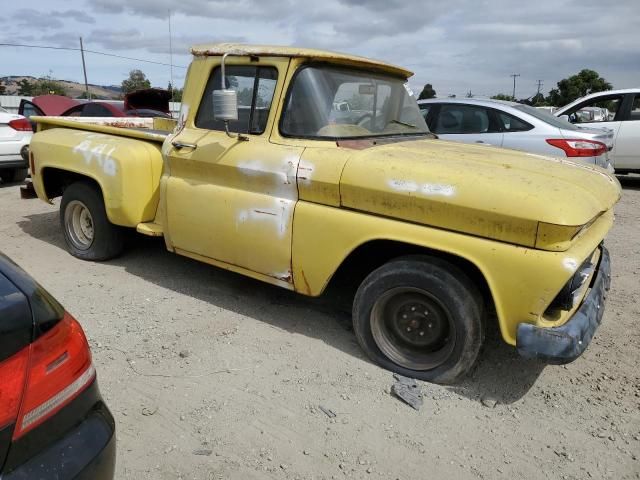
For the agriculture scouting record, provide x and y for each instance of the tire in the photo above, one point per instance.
(13, 175)
(421, 317)
(87, 231)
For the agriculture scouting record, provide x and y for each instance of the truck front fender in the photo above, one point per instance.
(522, 281)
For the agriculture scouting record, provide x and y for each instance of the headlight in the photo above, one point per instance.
(570, 293)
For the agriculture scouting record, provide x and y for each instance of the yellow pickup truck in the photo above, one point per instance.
(301, 167)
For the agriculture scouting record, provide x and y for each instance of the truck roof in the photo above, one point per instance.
(214, 49)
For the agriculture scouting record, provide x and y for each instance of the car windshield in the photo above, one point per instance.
(546, 117)
(337, 103)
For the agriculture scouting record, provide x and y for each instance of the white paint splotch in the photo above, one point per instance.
(426, 189)
(283, 172)
(277, 216)
(97, 152)
(570, 264)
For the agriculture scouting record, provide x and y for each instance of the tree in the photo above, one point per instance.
(538, 100)
(569, 89)
(42, 86)
(176, 93)
(48, 86)
(503, 96)
(25, 87)
(137, 81)
(427, 92)
(3, 89)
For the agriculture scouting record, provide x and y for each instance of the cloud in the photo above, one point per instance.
(119, 40)
(457, 45)
(77, 15)
(37, 19)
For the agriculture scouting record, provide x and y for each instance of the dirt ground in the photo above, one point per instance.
(211, 375)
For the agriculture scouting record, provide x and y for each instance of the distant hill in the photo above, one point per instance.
(73, 89)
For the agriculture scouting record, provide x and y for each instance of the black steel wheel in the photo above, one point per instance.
(421, 317)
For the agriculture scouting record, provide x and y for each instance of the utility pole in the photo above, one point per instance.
(170, 58)
(539, 87)
(84, 69)
(514, 75)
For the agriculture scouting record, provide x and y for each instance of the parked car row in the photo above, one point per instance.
(602, 128)
(516, 126)
(152, 102)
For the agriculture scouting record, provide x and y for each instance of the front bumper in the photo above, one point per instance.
(566, 343)
(13, 161)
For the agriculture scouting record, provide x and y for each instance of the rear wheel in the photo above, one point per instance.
(421, 317)
(87, 231)
(12, 175)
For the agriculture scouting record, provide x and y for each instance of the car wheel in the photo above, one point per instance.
(421, 317)
(13, 175)
(87, 231)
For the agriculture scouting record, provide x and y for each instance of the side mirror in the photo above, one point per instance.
(564, 117)
(225, 105)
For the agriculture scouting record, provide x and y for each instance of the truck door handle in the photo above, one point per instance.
(192, 146)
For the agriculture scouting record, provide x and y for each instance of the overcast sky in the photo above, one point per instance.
(457, 45)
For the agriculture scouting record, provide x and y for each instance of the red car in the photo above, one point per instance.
(151, 102)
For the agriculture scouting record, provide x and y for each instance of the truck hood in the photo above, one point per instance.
(480, 190)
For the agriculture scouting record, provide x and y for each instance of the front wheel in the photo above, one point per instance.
(87, 231)
(421, 317)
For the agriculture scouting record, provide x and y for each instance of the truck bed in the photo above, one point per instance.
(149, 129)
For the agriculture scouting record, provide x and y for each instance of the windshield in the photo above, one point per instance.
(546, 117)
(336, 103)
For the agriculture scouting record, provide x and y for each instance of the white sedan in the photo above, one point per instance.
(516, 126)
(15, 135)
(618, 110)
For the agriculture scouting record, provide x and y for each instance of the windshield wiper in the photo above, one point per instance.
(403, 123)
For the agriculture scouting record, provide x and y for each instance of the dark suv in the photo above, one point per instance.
(53, 421)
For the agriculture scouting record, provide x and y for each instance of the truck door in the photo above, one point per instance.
(231, 200)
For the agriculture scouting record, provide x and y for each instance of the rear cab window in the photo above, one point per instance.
(255, 87)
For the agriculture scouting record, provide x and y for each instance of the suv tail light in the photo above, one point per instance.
(46, 376)
(579, 147)
(21, 124)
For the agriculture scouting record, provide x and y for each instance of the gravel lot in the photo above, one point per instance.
(212, 375)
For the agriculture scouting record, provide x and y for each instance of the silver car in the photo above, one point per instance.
(517, 126)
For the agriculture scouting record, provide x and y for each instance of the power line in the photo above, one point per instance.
(48, 47)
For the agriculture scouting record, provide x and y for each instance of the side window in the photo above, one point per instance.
(635, 108)
(513, 124)
(75, 111)
(602, 109)
(424, 109)
(255, 87)
(456, 118)
(30, 110)
(95, 110)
